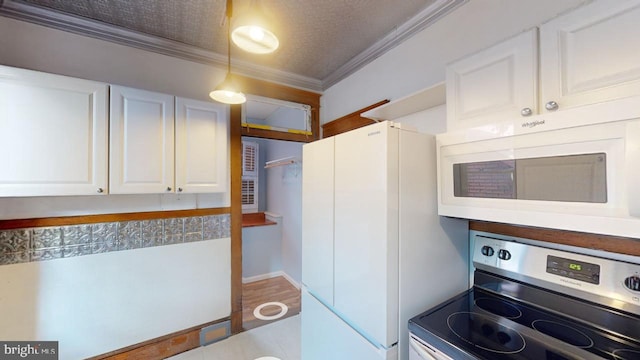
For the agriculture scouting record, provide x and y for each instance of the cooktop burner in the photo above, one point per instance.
(499, 307)
(491, 326)
(563, 332)
(485, 333)
(623, 354)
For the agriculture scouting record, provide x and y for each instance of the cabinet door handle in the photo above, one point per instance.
(526, 112)
(100, 190)
(179, 189)
(168, 188)
(551, 106)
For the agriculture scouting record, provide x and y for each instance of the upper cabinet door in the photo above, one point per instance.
(495, 84)
(591, 54)
(202, 142)
(141, 141)
(53, 134)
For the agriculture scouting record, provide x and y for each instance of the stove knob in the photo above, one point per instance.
(632, 283)
(487, 250)
(504, 254)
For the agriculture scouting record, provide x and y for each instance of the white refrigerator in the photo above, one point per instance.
(374, 250)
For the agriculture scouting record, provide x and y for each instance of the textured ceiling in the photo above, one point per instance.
(316, 37)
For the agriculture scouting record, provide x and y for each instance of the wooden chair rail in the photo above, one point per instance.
(92, 219)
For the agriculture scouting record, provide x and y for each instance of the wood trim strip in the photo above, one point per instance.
(92, 219)
(616, 244)
(161, 347)
(236, 218)
(282, 92)
(349, 121)
(256, 219)
(276, 135)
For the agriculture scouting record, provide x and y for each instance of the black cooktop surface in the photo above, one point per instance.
(486, 325)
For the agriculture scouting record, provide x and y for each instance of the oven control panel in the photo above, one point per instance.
(573, 269)
(599, 279)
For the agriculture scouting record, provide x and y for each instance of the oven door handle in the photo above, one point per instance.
(421, 350)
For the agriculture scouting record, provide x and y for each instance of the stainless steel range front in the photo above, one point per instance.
(533, 302)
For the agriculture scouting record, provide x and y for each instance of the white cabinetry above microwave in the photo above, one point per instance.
(494, 84)
(587, 56)
(53, 134)
(570, 170)
(162, 144)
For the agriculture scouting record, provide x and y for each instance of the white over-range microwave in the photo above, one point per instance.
(577, 169)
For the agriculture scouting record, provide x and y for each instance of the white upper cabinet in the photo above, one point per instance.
(201, 146)
(587, 56)
(53, 134)
(141, 141)
(494, 84)
(155, 149)
(591, 55)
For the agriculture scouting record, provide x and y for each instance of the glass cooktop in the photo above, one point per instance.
(483, 325)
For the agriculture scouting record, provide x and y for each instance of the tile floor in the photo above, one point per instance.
(280, 339)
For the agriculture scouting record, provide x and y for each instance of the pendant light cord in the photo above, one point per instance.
(229, 11)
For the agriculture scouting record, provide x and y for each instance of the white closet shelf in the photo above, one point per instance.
(281, 162)
(422, 100)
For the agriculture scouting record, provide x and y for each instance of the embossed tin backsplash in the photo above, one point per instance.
(46, 243)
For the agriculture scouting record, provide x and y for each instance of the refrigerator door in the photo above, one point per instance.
(366, 231)
(317, 218)
(325, 336)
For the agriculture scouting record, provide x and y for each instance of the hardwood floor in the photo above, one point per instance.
(276, 289)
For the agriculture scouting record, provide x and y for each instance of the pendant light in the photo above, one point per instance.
(251, 31)
(227, 91)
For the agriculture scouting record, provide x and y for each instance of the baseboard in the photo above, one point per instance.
(161, 347)
(271, 275)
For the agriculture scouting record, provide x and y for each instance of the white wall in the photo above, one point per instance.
(98, 303)
(420, 61)
(280, 193)
(262, 251)
(284, 197)
(40, 48)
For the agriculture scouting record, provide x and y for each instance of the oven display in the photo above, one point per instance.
(573, 269)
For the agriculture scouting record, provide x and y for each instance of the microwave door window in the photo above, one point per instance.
(487, 179)
(572, 178)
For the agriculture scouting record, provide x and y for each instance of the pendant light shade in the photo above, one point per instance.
(251, 32)
(227, 91)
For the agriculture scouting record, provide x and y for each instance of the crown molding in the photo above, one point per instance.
(99, 30)
(417, 23)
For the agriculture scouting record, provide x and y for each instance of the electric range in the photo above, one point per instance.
(532, 302)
